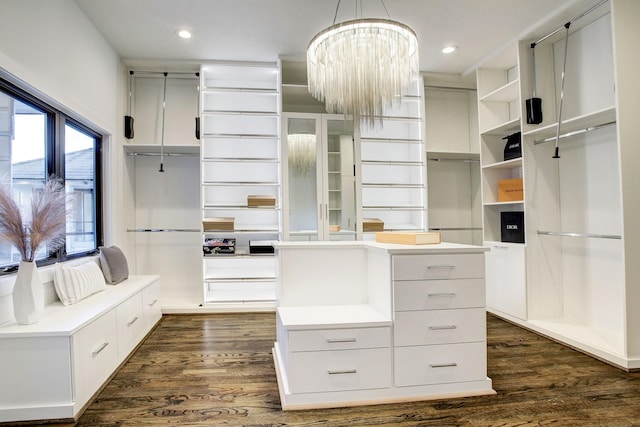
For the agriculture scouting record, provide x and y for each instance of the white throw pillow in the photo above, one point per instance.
(75, 282)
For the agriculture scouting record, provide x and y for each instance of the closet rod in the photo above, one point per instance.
(165, 154)
(455, 229)
(435, 159)
(163, 230)
(591, 9)
(586, 235)
(573, 133)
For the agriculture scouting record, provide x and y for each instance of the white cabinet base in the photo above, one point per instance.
(335, 399)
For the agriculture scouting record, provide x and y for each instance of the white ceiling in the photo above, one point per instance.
(143, 31)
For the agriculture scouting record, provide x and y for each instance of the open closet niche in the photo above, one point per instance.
(162, 177)
(575, 262)
(453, 160)
(581, 210)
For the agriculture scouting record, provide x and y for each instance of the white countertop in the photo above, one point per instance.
(391, 248)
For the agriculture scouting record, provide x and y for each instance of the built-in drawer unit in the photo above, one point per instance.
(439, 326)
(441, 266)
(438, 294)
(151, 309)
(322, 371)
(130, 323)
(437, 364)
(95, 354)
(339, 339)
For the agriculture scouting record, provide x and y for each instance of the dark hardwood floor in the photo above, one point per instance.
(218, 370)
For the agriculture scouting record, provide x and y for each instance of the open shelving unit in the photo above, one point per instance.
(499, 115)
(393, 166)
(240, 157)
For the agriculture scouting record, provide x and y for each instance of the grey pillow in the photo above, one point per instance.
(114, 264)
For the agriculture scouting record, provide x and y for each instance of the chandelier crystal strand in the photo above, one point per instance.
(360, 67)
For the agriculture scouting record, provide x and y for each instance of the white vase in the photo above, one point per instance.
(28, 296)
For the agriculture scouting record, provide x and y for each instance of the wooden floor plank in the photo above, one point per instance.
(197, 370)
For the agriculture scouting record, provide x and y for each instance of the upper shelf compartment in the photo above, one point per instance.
(248, 76)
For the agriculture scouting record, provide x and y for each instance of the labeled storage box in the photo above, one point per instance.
(510, 190)
(257, 201)
(512, 227)
(218, 224)
(261, 247)
(218, 246)
(372, 224)
(513, 147)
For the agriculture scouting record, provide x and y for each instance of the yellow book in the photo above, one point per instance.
(409, 238)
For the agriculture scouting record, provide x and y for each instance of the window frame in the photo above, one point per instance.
(57, 119)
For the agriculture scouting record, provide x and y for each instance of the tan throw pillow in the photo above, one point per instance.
(114, 265)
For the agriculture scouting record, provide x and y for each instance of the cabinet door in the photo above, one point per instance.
(320, 183)
(505, 279)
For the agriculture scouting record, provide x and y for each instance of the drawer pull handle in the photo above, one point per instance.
(432, 267)
(444, 365)
(437, 328)
(132, 321)
(343, 371)
(442, 294)
(334, 340)
(154, 302)
(99, 350)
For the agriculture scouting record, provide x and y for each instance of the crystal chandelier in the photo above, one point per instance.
(358, 67)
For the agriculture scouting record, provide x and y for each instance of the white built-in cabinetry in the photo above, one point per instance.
(384, 323)
(393, 172)
(580, 281)
(240, 156)
(55, 366)
(319, 177)
(453, 165)
(499, 115)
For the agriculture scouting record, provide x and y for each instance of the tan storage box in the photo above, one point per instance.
(218, 224)
(256, 201)
(510, 190)
(372, 224)
(409, 238)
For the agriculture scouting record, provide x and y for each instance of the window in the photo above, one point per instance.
(38, 141)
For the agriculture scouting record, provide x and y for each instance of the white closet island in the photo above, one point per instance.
(363, 322)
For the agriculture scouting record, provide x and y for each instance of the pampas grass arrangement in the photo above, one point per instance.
(45, 224)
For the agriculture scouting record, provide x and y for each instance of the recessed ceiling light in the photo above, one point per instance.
(184, 34)
(449, 49)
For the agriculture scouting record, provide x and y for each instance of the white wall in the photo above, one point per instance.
(53, 47)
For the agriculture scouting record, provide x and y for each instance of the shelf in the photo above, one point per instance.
(390, 163)
(504, 129)
(240, 183)
(507, 164)
(239, 89)
(393, 208)
(240, 159)
(607, 115)
(507, 93)
(384, 185)
(518, 202)
(391, 140)
(241, 207)
(247, 230)
(456, 156)
(167, 149)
